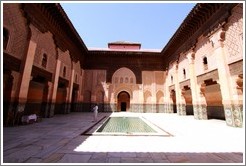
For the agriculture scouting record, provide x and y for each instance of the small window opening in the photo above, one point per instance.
(44, 60)
(64, 71)
(76, 78)
(205, 63)
(184, 73)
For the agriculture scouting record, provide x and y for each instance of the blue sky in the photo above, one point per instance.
(151, 24)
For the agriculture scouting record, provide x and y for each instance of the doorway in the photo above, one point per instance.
(215, 108)
(187, 94)
(173, 97)
(123, 106)
(74, 97)
(123, 103)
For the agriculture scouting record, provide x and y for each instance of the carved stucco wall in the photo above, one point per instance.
(203, 49)
(234, 35)
(183, 70)
(124, 75)
(65, 63)
(45, 45)
(15, 23)
(94, 83)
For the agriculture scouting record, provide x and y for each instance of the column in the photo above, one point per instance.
(46, 102)
(179, 101)
(80, 98)
(80, 85)
(238, 100)
(94, 84)
(202, 104)
(106, 98)
(182, 103)
(237, 85)
(168, 102)
(54, 85)
(165, 91)
(70, 90)
(25, 79)
(231, 115)
(198, 98)
(140, 99)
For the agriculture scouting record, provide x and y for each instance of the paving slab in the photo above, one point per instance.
(60, 139)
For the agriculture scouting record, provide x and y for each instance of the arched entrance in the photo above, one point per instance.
(215, 108)
(123, 101)
(187, 94)
(159, 102)
(173, 97)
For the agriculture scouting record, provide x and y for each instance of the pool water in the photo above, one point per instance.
(126, 125)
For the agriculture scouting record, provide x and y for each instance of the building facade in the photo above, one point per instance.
(48, 70)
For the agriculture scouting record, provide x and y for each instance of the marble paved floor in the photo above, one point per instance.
(59, 140)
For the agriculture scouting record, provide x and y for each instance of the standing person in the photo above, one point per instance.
(95, 110)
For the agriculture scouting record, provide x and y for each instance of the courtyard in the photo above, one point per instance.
(65, 139)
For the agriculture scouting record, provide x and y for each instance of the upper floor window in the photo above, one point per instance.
(44, 60)
(205, 63)
(64, 71)
(5, 38)
(171, 79)
(184, 73)
(76, 78)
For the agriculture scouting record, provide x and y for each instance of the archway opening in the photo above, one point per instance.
(61, 95)
(159, 102)
(74, 97)
(123, 101)
(187, 94)
(35, 95)
(215, 108)
(173, 97)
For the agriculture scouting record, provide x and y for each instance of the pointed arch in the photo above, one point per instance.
(159, 97)
(159, 101)
(123, 101)
(147, 96)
